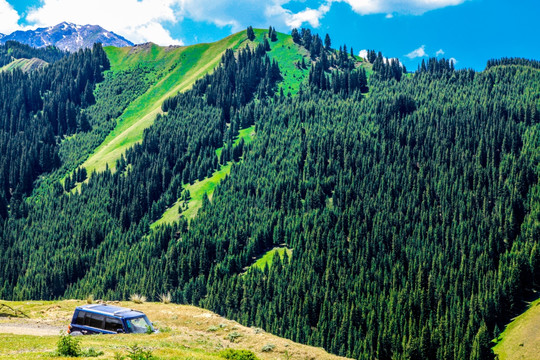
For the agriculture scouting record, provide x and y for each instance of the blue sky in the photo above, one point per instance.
(469, 31)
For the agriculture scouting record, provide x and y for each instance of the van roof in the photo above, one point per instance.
(111, 310)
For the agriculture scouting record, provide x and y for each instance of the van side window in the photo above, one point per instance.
(94, 320)
(80, 318)
(113, 324)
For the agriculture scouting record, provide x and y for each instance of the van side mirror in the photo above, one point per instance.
(120, 331)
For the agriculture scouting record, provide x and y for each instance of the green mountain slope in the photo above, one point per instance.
(198, 190)
(176, 69)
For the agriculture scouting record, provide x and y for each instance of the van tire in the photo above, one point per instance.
(76, 333)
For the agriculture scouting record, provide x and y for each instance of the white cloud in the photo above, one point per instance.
(363, 54)
(453, 60)
(256, 13)
(389, 16)
(137, 20)
(311, 16)
(272, 12)
(144, 20)
(414, 7)
(420, 52)
(8, 18)
(439, 52)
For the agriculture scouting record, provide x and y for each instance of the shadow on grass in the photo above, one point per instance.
(8, 311)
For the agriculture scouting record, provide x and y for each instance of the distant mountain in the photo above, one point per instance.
(67, 36)
(2, 35)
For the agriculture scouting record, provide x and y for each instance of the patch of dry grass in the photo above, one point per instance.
(137, 298)
(187, 334)
(165, 298)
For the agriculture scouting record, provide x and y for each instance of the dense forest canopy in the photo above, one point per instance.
(14, 50)
(410, 202)
(36, 110)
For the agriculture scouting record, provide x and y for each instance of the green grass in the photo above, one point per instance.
(287, 53)
(206, 186)
(521, 338)
(248, 134)
(268, 257)
(197, 191)
(176, 69)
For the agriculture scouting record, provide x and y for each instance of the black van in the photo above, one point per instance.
(107, 319)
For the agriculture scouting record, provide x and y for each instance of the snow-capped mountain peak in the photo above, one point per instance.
(67, 36)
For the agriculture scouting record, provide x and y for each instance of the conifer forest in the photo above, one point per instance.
(410, 201)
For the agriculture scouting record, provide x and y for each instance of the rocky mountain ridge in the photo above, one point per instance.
(67, 36)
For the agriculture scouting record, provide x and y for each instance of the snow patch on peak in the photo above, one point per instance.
(67, 36)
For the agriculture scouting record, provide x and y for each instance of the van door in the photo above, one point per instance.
(95, 321)
(113, 324)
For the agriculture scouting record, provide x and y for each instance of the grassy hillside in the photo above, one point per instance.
(176, 69)
(197, 191)
(187, 332)
(521, 338)
(287, 54)
(24, 64)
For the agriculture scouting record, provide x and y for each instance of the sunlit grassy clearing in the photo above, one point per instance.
(23, 64)
(197, 191)
(268, 258)
(287, 54)
(521, 338)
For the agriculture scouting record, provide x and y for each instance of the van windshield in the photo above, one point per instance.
(138, 325)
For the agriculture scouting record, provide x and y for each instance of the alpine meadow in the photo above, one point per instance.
(280, 181)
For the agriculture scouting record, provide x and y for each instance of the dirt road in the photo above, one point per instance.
(27, 328)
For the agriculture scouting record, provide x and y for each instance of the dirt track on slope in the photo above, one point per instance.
(27, 328)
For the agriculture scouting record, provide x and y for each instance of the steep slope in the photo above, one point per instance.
(176, 68)
(521, 338)
(13, 50)
(187, 332)
(25, 65)
(67, 36)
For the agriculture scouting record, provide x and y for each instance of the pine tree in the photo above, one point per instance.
(481, 347)
(250, 33)
(273, 34)
(296, 36)
(327, 42)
